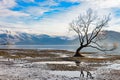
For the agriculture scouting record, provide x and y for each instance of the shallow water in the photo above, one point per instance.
(67, 73)
(56, 47)
(60, 47)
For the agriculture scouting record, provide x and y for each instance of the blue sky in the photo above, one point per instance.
(53, 16)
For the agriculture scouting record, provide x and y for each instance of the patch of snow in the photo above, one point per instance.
(63, 55)
(60, 54)
(117, 61)
(114, 66)
(28, 71)
(55, 62)
(73, 74)
(3, 59)
(98, 56)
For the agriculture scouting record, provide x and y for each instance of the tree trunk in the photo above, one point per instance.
(77, 54)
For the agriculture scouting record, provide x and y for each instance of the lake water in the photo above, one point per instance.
(59, 47)
(54, 47)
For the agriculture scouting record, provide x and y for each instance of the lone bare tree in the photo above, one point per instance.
(89, 28)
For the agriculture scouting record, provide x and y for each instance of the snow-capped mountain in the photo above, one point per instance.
(8, 36)
(18, 37)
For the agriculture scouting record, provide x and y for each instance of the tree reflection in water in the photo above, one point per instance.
(84, 68)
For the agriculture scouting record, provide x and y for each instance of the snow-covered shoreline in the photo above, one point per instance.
(27, 69)
(37, 71)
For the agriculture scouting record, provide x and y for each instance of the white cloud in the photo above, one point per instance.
(36, 11)
(20, 27)
(98, 3)
(7, 3)
(59, 23)
(71, 0)
(106, 3)
(28, 1)
(48, 26)
(5, 11)
(9, 13)
(48, 3)
(105, 7)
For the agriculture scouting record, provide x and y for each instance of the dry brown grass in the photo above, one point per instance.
(81, 59)
(49, 56)
(86, 59)
(4, 54)
(27, 53)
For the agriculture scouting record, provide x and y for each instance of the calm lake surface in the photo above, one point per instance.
(59, 47)
(55, 47)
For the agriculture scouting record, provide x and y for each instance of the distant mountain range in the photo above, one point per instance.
(21, 38)
(31, 39)
(113, 36)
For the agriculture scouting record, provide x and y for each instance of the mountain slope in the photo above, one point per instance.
(21, 38)
(111, 37)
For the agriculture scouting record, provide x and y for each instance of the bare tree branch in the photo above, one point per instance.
(89, 28)
(101, 49)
